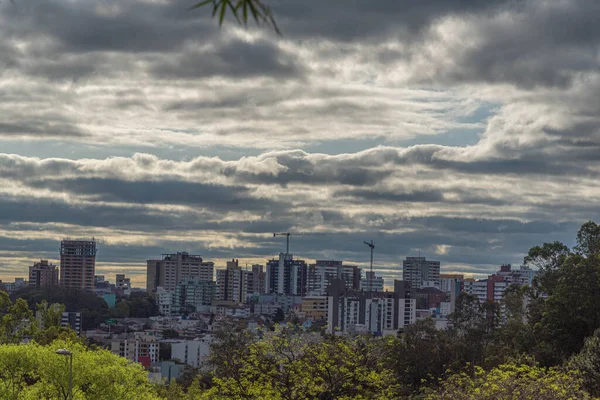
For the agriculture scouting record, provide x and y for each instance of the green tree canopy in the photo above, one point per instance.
(33, 371)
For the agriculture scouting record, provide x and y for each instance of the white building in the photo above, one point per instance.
(381, 313)
(132, 348)
(321, 273)
(372, 282)
(192, 352)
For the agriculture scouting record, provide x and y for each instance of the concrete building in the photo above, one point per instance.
(190, 295)
(418, 270)
(258, 280)
(136, 348)
(232, 283)
(43, 274)
(429, 297)
(71, 320)
(321, 273)
(122, 282)
(315, 308)
(173, 268)
(78, 264)
(286, 276)
(492, 288)
(192, 352)
(381, 313)
(372, 281)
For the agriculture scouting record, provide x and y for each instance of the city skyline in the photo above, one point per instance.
(138, 275)
(464, 130)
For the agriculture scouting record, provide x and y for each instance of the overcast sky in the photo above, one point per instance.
(466, 131)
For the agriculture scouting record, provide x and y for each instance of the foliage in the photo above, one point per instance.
(289, 364)
(510, 381)
(242, 10)
(16, 319)
(93, 309)
(588, 362)
(33, 371)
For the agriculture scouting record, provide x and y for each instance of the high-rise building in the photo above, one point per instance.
(420, 272)
(372, 282)
(258, 280)
(173, 268)
(323, 271)
(286, 275)
(351, 311)
(43, 274)
(232, 283)
(77, 264)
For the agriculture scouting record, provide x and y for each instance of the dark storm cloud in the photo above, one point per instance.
(356, 20)
(360, 195)
(527, 43)
(234, 198)
(235, 58)
(14, 210)
(110, 25)
(40, 127)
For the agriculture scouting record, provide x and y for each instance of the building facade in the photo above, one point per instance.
(323, 271)
(418, 271)
(372, 282)
(286, 276)
(381, 313)
(71, 320)
(315, 308)
(173, 268)
(43, 274)
(136, 348)
(78, 264)
(195, 353)
(232, 283)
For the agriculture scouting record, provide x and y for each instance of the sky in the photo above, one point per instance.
(464, 131)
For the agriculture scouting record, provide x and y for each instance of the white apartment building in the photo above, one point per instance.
(372, 282)
(321, 273)
(132, 348)
(192, 352)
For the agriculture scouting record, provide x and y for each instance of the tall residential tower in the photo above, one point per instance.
(78, 264)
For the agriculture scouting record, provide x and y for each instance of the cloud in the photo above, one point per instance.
(464, 130)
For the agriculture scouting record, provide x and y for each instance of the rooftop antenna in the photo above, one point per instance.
(372, 246)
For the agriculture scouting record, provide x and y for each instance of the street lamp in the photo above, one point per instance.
(65, 352)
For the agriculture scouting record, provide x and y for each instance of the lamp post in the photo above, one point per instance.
(65, 352)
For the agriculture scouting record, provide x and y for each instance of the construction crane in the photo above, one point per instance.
(372, 246)
(287, 240)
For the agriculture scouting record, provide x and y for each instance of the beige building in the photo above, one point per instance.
(78, 264)
(43, 274)
(173, 268)
(314, 308)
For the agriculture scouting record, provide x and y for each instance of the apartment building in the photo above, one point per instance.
(78, 264)
(173, 268)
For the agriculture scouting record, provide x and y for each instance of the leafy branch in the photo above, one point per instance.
(242, 10)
